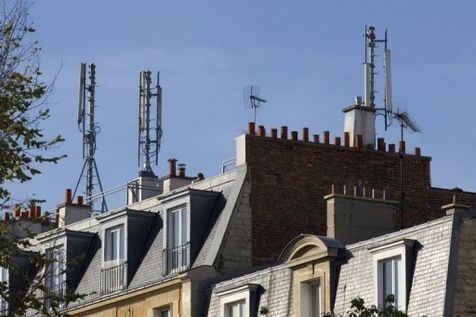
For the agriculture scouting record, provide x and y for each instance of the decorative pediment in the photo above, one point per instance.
(309, 247)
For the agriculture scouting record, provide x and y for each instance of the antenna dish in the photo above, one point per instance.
(252, 98)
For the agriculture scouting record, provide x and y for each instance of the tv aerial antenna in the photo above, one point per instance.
(252, 99)
(89, 129)
(149, 132)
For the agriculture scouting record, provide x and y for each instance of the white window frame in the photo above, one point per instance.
(157, 312)
(182, 227)
(56, 270)
(121, 243)
(306, 298)
(385, 253)
(234, 295)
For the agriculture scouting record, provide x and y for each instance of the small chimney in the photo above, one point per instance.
(200, 177)
(68, 212)
(68, 196)
(17, 211)
(172, 167)
(251, 128)
(6, 216)
(38, 212)
(181, 170)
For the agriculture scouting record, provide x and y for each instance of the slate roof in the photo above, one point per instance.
(275, 291)
(149, 270)
(428, 287)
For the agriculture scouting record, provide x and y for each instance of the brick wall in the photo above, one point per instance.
(290, 177)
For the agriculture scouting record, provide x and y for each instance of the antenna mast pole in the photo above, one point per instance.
(89, 133)
(148, 147)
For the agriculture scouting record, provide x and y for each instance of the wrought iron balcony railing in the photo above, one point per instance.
(113, 279)
(55, 295)
(176, 259)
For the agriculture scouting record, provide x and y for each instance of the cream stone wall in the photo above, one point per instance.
(175, 294)
(310, 273)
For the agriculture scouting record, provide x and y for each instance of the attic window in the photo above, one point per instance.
(238, 301)
(113, 274)
(391, 271)
(114, 244)
(55, 278)
(177, 251)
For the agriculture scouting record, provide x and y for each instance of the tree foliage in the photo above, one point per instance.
(22, 100)
(25, 267)
(358, 309)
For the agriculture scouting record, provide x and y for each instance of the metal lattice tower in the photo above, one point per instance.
(88, 127)
(149, 134)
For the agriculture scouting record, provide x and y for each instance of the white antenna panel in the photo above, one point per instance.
(82, 86)
(367, 90)
(388, 81)
(142, 100)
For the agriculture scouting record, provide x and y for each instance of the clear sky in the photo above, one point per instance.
(306, 56)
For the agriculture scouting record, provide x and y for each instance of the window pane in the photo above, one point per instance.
(235, 309)
(184, 229)
(113, 239)
(315, 300)
(176, 229)
(121, 243)
(391, 283)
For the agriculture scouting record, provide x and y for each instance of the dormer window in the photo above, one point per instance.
(55, 275)
(177, 252)
(391, 263)
(55, 278)
(114, 253)
(113, 274)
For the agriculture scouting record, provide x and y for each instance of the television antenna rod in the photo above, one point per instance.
(89, 129)
(149, 133)
(406, 122)
(252, 98)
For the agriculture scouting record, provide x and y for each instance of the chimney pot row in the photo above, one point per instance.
(338, 141)
(358, 191)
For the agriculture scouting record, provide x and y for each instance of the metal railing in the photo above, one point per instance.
(228, 165)
(55, 294)
(176, 259)
(113, 279)
(3, 307)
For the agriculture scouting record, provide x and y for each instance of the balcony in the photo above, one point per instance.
(3, 307)
(113, 279)
(54, 295)
(176, 259)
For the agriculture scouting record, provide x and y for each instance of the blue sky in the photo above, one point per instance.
(306, 56)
